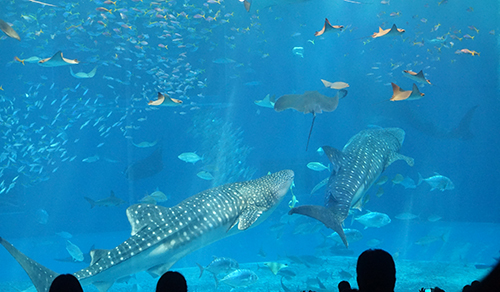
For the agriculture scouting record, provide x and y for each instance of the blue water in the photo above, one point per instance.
(52, 123)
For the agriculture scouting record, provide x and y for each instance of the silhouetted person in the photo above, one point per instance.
(171, 282)
(376, 271)
(344, 286)
(65, 283)
(490, 283)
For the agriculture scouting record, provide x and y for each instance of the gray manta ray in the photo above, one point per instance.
(161, 236)
(355, 169)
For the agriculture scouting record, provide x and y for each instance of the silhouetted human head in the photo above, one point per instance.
(65, 283)
(344, 286)
(376, 271)
(171, 282)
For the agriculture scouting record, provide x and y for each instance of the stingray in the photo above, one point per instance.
(268, 101)
(309, 102)
(146, 167)
(57, 60)
(8, 30)
(393, 31)
(399, 94)
(419, 77)
(328, 28)
(83, 74)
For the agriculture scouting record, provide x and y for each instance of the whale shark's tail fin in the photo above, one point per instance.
(41, 276)
(325, 215)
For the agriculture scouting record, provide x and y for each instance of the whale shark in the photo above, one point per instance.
(161, 236)
(355, 169)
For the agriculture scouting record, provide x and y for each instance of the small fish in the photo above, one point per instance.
(379, 192)
(292, 202)
(397, 179)
(299, 51)
(434, 218)
(240, 278)
(467, 51)
(91, 159)
(374, 219)
(64, 234)
(74, 251)
(159, 196)
(382, 180)
(317, 166)
(335, 85)
(219, 265)
(205, 175)
(191, 157)
(437, 182)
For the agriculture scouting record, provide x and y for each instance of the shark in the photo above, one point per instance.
(354, 171)
(161, 236)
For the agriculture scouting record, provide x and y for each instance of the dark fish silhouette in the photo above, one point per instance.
(146, 167)
(309, 102)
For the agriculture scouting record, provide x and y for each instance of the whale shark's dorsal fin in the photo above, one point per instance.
(97, 254)
(141, 215)
(335, 156)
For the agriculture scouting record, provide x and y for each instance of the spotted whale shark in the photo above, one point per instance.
(161, 236)
(355, 169)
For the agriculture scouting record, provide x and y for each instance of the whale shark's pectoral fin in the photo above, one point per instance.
(397, 156)
(246, 219)
(325, 215)
(159, 270)
(102, 286)
(41, 276)
(335, 156)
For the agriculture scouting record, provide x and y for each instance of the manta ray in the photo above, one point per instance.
(327, 27)
(83, 74)
(57, 60)
(8, 30)
(393, 31)
(161, 236)
(354, 171)
(399, 94)
(419, 77)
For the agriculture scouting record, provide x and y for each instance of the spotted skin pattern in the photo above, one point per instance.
(161, 236)
(355, 169)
